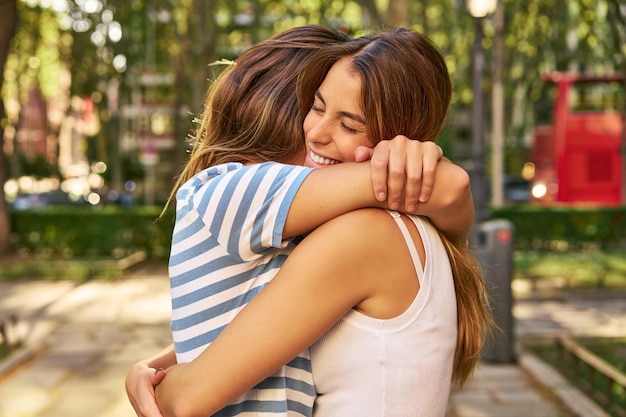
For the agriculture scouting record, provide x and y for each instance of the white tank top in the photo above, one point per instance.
(400, 367)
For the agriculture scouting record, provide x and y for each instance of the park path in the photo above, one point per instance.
(81, 339)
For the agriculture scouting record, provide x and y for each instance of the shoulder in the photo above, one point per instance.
(368, 221)
(365, 231)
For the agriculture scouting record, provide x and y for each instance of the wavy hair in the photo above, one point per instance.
(406, 90)
(250, 111)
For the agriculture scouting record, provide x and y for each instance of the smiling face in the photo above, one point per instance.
(335, 125)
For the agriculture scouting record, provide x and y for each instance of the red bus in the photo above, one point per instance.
(576, 152)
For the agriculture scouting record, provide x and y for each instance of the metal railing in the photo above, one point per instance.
(604, 383)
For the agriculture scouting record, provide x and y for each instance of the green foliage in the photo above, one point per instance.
(565, 228)
(110, 232)
(61, 269)
(569, 247)
(36, 166)
(578, 269)
(182, 38)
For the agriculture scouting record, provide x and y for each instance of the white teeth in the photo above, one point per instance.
(321, 160)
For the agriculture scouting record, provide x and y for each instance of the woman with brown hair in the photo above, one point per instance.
(252, 117)
(399, 310)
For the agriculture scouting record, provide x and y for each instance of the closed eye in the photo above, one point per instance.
(318, 103)
(349, 129)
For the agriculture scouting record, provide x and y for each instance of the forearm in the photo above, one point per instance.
(164, 359)
(330, 192)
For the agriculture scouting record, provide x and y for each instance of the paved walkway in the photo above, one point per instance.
(81, 339)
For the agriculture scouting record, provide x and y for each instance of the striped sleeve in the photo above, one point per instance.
(246, 209)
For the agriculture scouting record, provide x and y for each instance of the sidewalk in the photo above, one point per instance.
(81, 339)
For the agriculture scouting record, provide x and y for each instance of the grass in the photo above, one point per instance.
(569, 270)
(574, 269)
(5, 351)
(29, 267)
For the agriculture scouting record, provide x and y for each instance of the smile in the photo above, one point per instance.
(321, 160)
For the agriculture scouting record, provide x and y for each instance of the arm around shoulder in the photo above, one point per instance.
(330, 192)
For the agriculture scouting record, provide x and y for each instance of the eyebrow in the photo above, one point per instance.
(349, 115)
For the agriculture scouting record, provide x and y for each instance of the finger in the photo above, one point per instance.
(396, 174)
(158, 376)
(363, 153)
(431, 157)
(413, 176)
(379, 161)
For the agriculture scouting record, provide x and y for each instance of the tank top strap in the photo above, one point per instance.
(409, 243)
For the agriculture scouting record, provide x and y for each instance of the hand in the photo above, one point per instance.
(140, 384)
(402, 167)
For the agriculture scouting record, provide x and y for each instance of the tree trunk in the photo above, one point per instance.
(398, 13)
(8, 22)
(376, 20)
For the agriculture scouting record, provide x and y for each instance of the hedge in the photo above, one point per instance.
(112, 231)
(564, 228)
(109, 231)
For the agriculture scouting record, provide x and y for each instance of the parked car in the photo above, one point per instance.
(38, 200)
(516, 190)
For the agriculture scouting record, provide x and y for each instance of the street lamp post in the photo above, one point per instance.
(479, 9)
(493, 239)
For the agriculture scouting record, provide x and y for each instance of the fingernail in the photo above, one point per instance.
(423, 198)
(381, 196)
(411, 208)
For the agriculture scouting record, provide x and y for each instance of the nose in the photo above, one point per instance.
(318, 130)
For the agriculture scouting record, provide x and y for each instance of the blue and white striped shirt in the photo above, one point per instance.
(227, 244)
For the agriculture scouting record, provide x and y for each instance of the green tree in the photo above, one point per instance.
(104, 43)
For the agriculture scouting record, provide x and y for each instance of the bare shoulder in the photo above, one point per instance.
(367, 232)
(364, 223)
(371, 253)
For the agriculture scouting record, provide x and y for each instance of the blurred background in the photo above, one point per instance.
(99, 97)
(99, 94)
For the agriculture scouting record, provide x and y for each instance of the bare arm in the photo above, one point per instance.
(300, 304)
(329, 192)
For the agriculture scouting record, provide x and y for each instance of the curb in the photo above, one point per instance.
(19, 357)
(572, 399)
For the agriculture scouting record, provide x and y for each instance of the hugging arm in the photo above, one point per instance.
(329, 192)
(332, 191)
(300, 304)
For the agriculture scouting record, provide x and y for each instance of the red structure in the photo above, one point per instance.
(577, 154)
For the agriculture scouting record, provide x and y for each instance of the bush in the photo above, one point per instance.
(566, 228)
(109, 231)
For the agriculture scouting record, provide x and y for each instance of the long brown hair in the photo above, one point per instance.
(474, 320)
(406, 90)
(250, 112)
